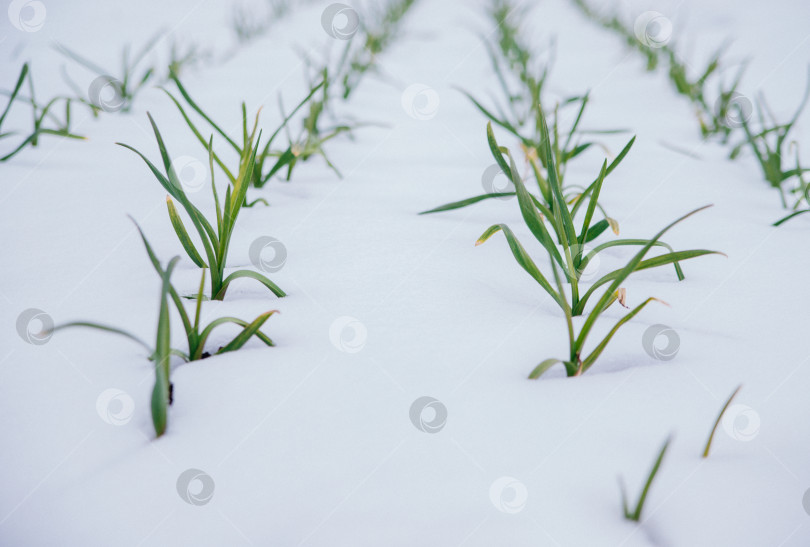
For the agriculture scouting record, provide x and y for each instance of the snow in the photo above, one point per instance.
(311, 442)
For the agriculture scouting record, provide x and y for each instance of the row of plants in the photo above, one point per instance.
(257, 158)
(729, 117)
(110, 91)
(560, 216)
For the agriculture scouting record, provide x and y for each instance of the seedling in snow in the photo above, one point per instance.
(130, 80)
(41, 116)
(713, 119)
(514, 56)
(380, 26)
(635, 514)
(522, 111)
(769, 145)
(182, 57)
(574, 258)
(248, 24)
(717, 422)
(215, 242)
(266, 156)
(721, 120)
(315, 131)
(802, 189)
(196, 335)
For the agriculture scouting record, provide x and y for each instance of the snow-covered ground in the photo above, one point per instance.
(313, 442)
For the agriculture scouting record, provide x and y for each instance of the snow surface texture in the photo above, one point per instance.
(312, 442)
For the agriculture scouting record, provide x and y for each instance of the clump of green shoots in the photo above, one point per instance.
(565, 243)
(380, 26)
(268, 161)
(717, 422)
(195, 333)
(215, 241)
(45, 121)
(514, 60)
(713, 118)
(770, 147)
(186, 56)
(314, 134)
(521, 110)
(634, 514)
(248, 24)
(320, 124)
(130, 80)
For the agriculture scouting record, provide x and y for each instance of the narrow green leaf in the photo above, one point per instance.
(542, 368)
(182, 235)
(719, 419)
(253, 275)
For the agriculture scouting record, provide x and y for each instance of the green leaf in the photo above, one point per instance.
(522, 258)
(654, 262)
(248, 331)
(596, 230)
(466, 202)
(254, 275)
(635, 515)
(542, 368)
(105, 328)
(717, 422)
(597, 187)
(160, 393)
(591, 359)
(182, 235)
(620, 275)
